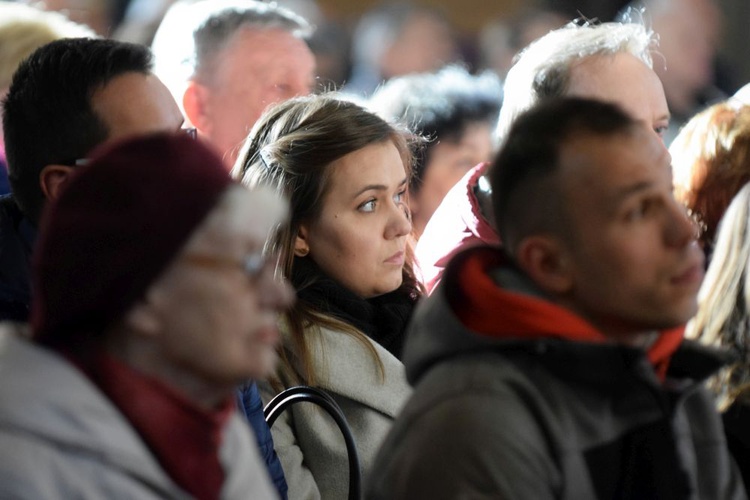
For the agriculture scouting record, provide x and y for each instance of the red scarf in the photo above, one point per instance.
(184, 438)
(528, 317)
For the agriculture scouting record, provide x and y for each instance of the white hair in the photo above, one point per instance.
(543, 68)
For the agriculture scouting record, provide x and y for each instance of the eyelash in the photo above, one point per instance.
(399, 200)
(372, 201)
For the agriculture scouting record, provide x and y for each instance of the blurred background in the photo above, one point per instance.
(704, 41)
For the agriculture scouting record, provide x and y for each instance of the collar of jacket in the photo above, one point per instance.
(346, 367)
(437, 335)
(476, 298)
(55, 402)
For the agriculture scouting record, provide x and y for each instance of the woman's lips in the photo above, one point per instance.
(396, 259)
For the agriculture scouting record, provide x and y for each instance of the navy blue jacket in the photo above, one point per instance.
(17, 237)
(250, 404)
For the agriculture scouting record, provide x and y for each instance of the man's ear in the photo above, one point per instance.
(52, 179)
(546, 261)
(301, 246)
(195, 103)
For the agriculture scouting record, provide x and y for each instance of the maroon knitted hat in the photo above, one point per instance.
(116, 226)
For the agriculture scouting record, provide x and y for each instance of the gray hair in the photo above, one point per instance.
(543, 69)
(194, 32)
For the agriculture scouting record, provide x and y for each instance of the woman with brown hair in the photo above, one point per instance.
(346, 249)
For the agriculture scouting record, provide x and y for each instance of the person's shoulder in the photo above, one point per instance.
(482, 414)
(474, 386)
(9, 210)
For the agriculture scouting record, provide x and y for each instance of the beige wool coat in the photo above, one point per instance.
(309, 444)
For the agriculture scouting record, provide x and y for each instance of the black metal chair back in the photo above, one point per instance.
(301, 393)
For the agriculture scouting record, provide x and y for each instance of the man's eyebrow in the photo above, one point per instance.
(624, 193)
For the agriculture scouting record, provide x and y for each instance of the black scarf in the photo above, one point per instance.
(382, 318)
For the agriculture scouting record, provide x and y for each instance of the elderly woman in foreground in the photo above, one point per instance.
(152, 305)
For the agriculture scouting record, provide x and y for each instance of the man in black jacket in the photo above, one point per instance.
(555, 368)
(66, 98)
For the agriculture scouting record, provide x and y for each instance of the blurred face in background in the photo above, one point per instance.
(688, 40)
(448, 161)
(256, 69)
(426, 43)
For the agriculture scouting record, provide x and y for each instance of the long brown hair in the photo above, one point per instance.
(291, 149)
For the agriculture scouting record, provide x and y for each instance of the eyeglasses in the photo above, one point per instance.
(191, 132)
(253, 264)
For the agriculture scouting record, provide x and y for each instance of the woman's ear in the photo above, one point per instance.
(545, 260)
(301, 246)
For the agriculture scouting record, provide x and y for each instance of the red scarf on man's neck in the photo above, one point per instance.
(184, 438)
(526, 316)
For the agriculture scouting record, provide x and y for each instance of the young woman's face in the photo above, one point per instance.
(359, 239)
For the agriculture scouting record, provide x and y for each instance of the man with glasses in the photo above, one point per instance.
(66, 98)
(152, 303)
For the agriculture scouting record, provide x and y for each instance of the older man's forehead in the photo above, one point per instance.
(622, 79)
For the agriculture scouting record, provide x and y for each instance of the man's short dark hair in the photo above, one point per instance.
(525, 197)
(48, 117)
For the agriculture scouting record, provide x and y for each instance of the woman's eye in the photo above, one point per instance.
(368, 206)
(399, 197)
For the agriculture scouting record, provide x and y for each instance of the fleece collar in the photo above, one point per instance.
(476, 299)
